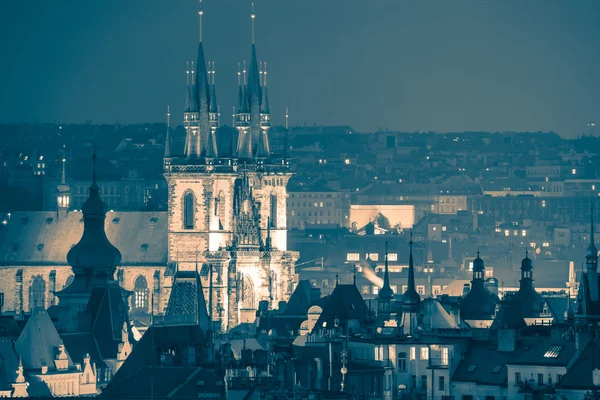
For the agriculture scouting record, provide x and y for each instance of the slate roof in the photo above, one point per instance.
(80, 344)
(302, 299)
(345, 303)
(147, 352)
(167, 382)
(186, 303)
(485, 365)
(38, 342)
(536, 355)
(40, 238)
(108, 316)
(579, 375)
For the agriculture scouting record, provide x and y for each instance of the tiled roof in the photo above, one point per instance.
(40, 237)
(345, 303)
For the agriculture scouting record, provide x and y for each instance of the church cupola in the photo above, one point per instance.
(63, 196)
(94, 257)
(528, 300)
(478, 304)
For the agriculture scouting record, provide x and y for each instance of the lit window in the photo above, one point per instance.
(523, 232)
(443, 229)
(543, 203)
(374, 256)
(347, 161)
(434, 228)
(375, 289)
(506, 232)
(424, 353)
(444, 356)
(365, 289)
(545, 244)
(352, 257)
(413, 353)
(553, 351)
(573, 171)
(141, 293)
(421, 290)
(394, 288)
(393, 257)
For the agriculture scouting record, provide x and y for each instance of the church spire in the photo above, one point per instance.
(386, 291)
(411, 296)
(94, 256)
(591, 261)
(63, 196)
(167, 154)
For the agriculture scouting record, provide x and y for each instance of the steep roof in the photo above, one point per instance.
(186, 303)
(345, 303)
(167, 382)
(38, 342)
(40, 238)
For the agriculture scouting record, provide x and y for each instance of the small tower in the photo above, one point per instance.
(386, 294)
(410, 299)
(63, 197)
(167, 156)
(531, 304)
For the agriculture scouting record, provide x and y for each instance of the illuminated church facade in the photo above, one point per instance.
(226, 218)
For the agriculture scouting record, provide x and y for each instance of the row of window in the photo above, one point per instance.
(540, 379)
(315, 204)
(371, 256)
(317, 213)
(311, 195)
(373, 289)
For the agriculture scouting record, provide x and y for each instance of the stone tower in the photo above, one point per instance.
(227, 209)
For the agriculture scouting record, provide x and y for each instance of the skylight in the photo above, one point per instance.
(497, 369)
(553, 352)
(472, 368)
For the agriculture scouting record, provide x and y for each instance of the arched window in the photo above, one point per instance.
(140, 291)
(37, 293)
(219, 210)
(273, 210)
(188, 210)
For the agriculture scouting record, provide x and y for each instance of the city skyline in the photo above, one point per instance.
(469, 65)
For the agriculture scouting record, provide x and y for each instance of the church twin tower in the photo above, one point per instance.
(227, 207)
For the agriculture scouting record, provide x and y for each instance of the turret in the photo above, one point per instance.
(167, 155)
(528, 300)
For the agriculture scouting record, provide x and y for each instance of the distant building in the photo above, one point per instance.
(317, 205)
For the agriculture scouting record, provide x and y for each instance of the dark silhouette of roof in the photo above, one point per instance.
(187, 305)
(345, 303)
(579, 375)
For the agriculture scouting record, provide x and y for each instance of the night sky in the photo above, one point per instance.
(439, 65)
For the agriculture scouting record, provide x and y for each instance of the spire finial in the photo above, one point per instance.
(168, 116)
(200, 13)
(187, 73)
(253, 17)
(63, 179)
(526, 252)
(213, 74)
(260, 73)
(239, 75)
(287, 118)
(193, 76)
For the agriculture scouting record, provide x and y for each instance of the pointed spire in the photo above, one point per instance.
(253, 17)
(200, 13)
(264, 106)
(287, 128)
(168, 134)
(240, 91)
(213, 91)
(63, 178)
(386, 291)
(188, 91)
(411, 297)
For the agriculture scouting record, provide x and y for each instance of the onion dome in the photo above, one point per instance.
(94, 255)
